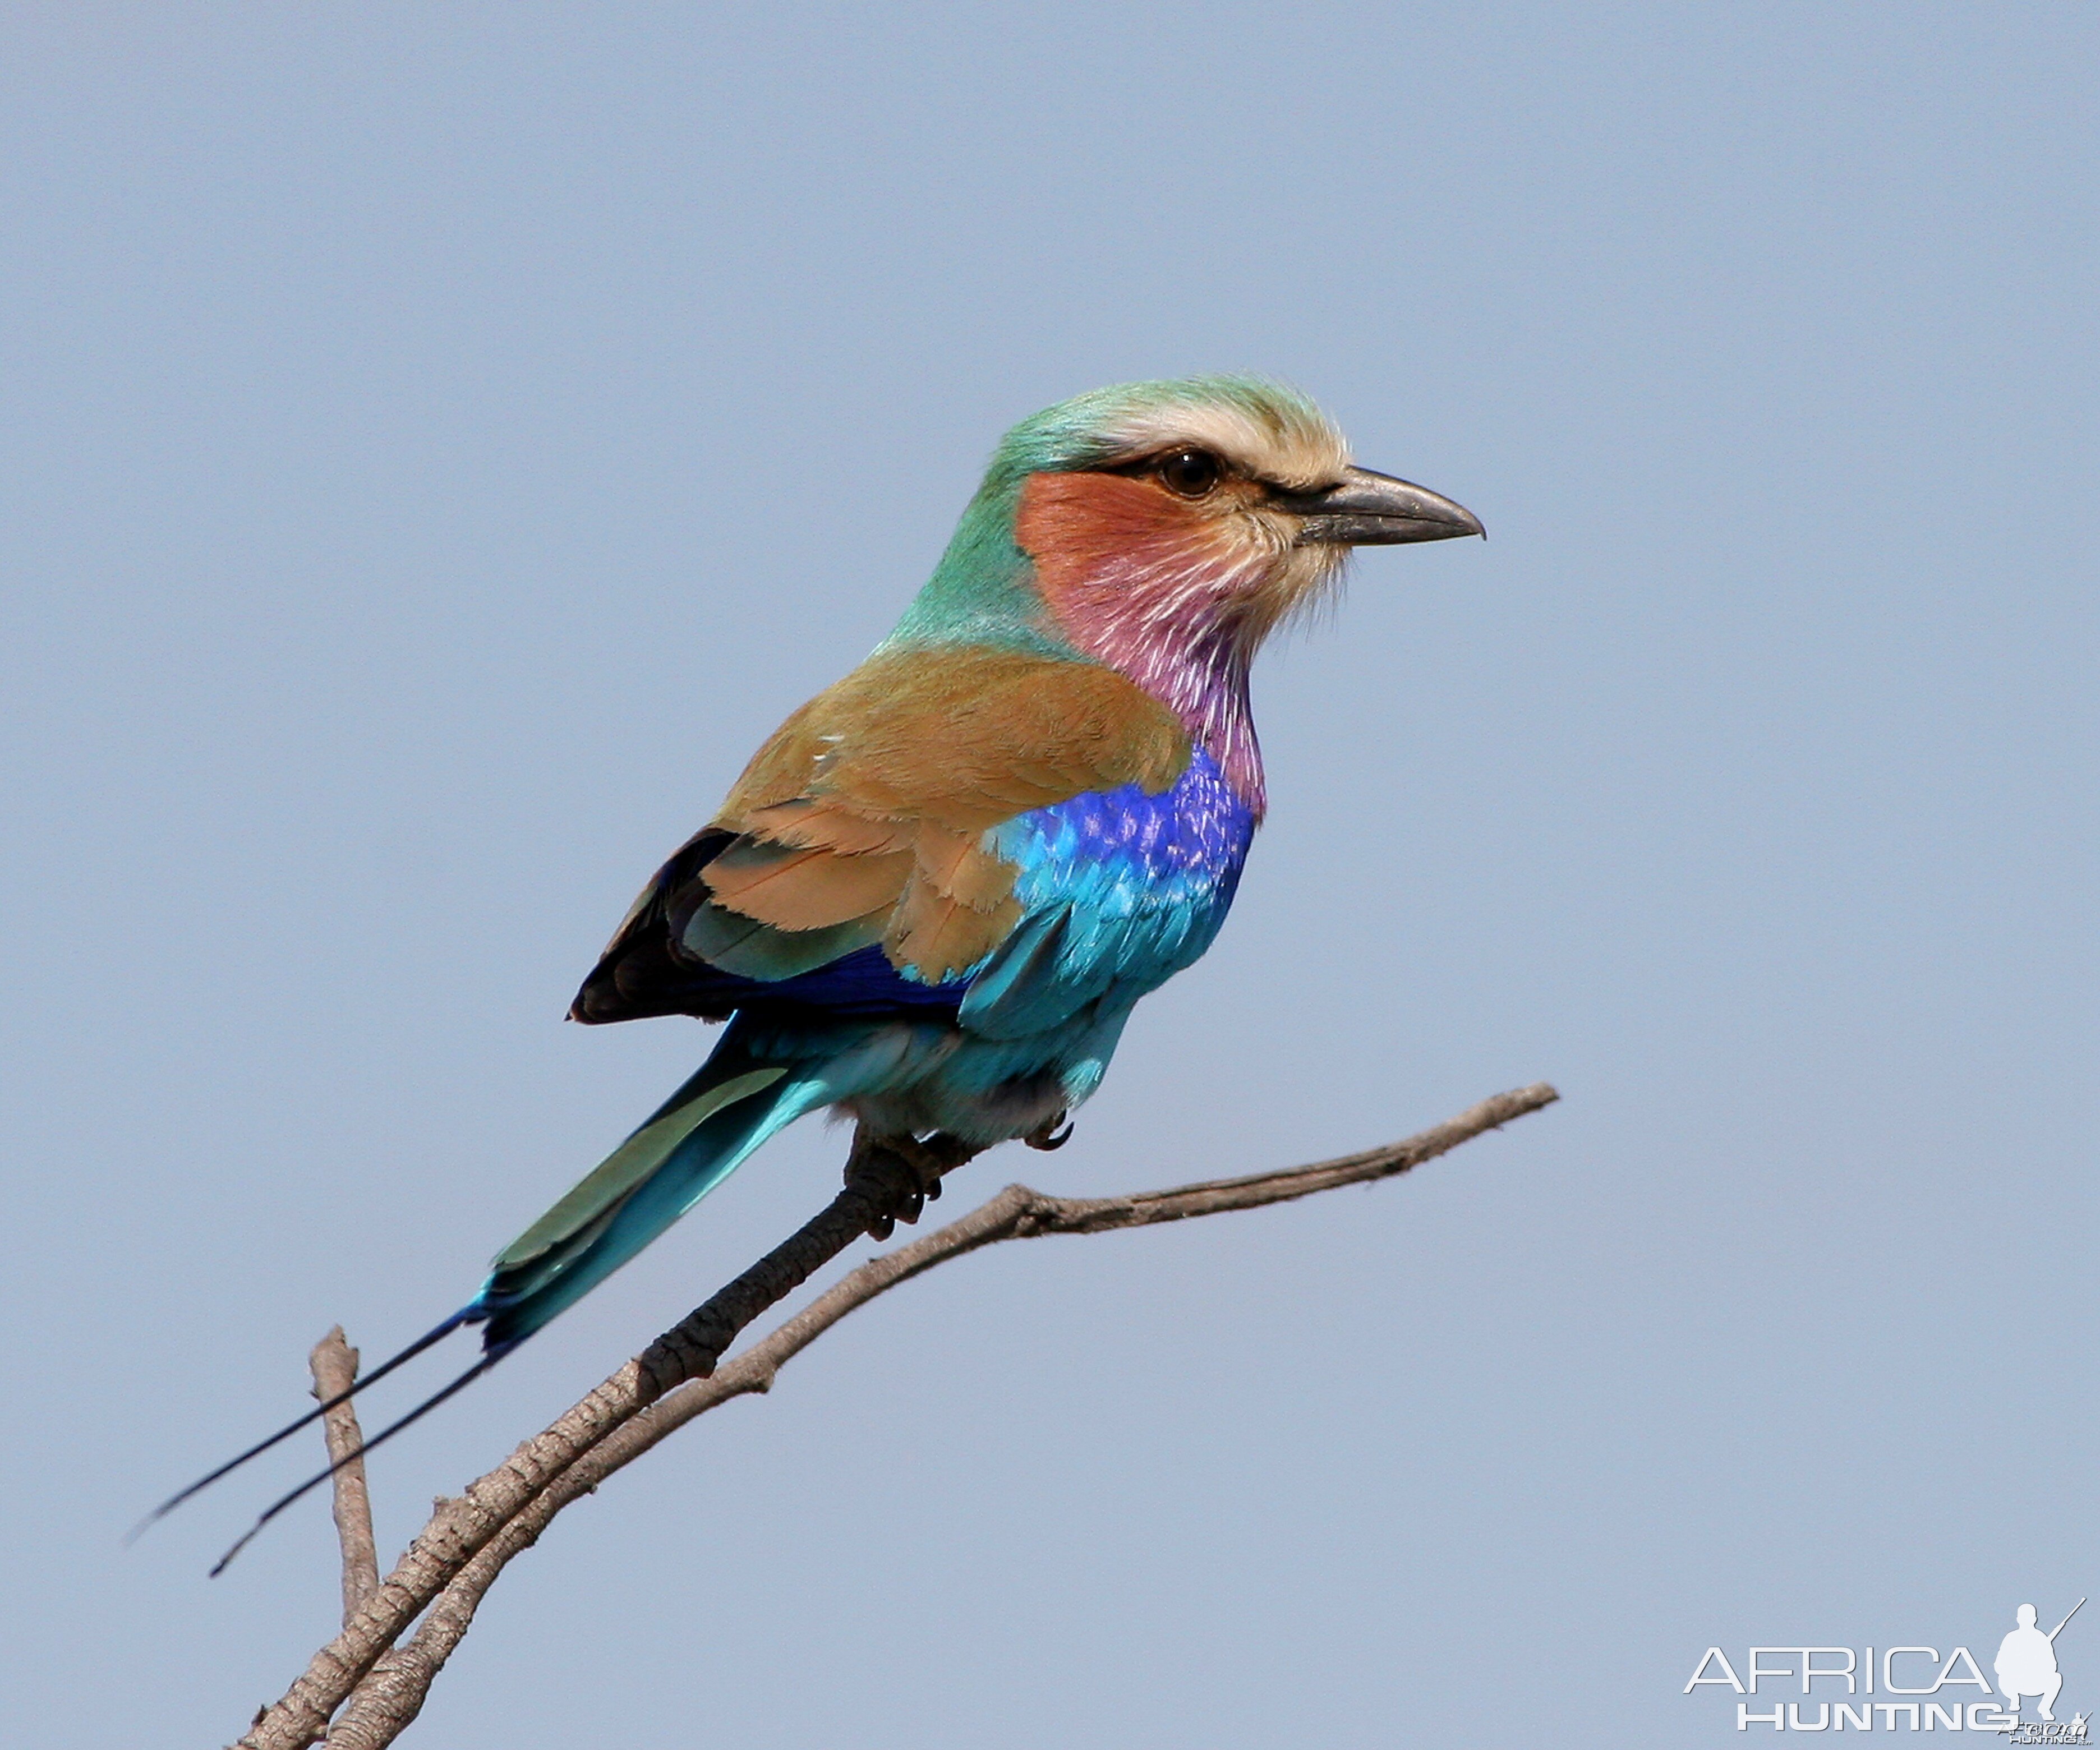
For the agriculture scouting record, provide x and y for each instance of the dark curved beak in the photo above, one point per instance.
(1369, 510)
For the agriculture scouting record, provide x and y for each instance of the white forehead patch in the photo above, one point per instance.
(1293, 449)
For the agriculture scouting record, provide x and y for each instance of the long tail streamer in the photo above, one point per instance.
(311, 1415)
(378, 1440)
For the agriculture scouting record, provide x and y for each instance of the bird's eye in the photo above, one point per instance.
(1190, 473)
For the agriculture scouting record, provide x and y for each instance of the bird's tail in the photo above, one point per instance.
(694, 1140)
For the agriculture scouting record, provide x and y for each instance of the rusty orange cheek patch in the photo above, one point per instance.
(1074, 525)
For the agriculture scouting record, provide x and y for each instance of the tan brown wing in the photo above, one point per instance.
(878, 793)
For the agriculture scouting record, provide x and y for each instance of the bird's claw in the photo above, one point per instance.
(910, 1170)
(1048, 1137)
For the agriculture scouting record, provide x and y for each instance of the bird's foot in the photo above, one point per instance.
(1047, 1136)
(904, 1172)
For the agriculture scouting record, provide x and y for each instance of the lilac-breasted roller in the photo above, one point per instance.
(936, 893)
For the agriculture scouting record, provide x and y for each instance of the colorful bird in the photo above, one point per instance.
(934, 895)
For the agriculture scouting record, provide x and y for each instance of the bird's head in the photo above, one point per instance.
(1145, 522)
(1165, 529)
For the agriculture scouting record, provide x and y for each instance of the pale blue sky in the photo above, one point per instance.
(441, 441)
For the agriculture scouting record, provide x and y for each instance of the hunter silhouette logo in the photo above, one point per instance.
(2026, 1665)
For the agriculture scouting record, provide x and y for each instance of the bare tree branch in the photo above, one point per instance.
(334, 1365)
(468, 1541)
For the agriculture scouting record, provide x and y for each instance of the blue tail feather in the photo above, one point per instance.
(700, 1136)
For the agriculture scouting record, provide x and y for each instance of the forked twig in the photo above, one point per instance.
(470, 1540)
